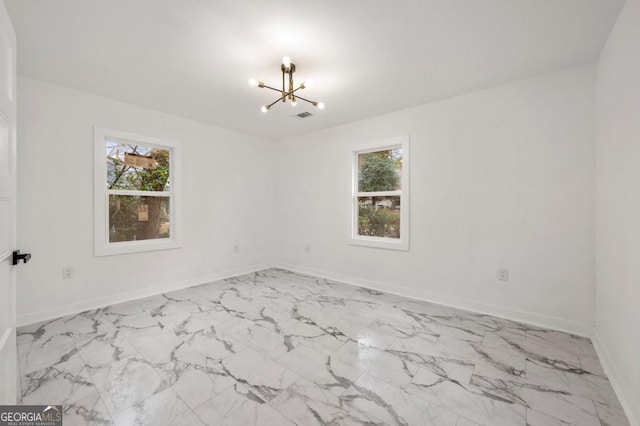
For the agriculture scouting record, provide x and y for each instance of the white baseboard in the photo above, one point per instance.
(57, 312)
(560, 324)
(631, 410)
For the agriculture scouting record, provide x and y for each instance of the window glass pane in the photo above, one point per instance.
(380, 170)
(137, 167)
(138, 218)
(379, 216)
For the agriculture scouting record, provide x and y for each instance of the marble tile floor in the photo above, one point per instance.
(279, 348)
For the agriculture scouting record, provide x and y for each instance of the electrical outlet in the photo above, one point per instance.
(67, 272)
(307, 248)
(503, 274)
(236, 248)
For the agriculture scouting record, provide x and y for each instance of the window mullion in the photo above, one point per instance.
(139, 193)
(380, 194)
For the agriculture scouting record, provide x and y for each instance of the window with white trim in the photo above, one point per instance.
(380, 194)
(135, 192)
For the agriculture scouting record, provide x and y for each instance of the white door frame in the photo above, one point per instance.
(8, 212)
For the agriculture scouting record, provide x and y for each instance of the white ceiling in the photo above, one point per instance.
(192, 58)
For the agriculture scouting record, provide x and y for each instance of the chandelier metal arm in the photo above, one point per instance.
(288, 69)
(274, 102)
(264, 86)
(287, 94)
(306, 100)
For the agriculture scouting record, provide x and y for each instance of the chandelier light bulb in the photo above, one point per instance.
(308, 84)
(253, 82)
(294, 103)
(320, 105)
(264, 109)
(286, 61)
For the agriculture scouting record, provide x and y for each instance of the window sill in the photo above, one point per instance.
(381, 243)
(135, 247)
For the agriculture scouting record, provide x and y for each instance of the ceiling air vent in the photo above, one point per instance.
(304, 114)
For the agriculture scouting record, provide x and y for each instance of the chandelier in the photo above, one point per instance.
(292, 94)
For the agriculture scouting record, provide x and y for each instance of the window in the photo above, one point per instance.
(380, 196)
(136, 193)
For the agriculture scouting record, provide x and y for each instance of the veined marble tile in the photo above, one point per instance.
(185, 324)
(19, 387)
(160, 347)
(409, 329)
(60, 384)
(611, 416)
(215, 342)
(575, 382)
(450, 325)
(114, 314)
(265, 338)
(132, 326)
(448, 368)
(505, 338)
(161, 306)
(393, 405)
(233, 301)
(502, 350)
(536, 418)
(418, 344)
(257, 277)
(239, 405)
(124, 383)
(212, 292)
(465, 422)
(487, 323)
(88, 411)
(573, 344)
(104, 351)
(468, 401)
(323, 370)
(307, 404)
(383, 364)
(363, 335)
(229, 321)
(537, 350)
(236, 345)
(89, 326)
(48, 350)
(322, 340)
(403, 328)
(294, 291)
(40, 332)
(420, 307)
(304, 330)
(263, 415)
(545, 399)
(190, 301)
(591, 365)
(120, 310)
(325, 309)
(163, 408)
(258, 371)
(509, 361)
(546, 347)
(195, 378)
(316, 311)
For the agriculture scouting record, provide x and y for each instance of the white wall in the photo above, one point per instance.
(618, 207)
(499, 178)
(227, 201)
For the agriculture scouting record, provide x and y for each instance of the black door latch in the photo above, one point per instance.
(17, 257)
